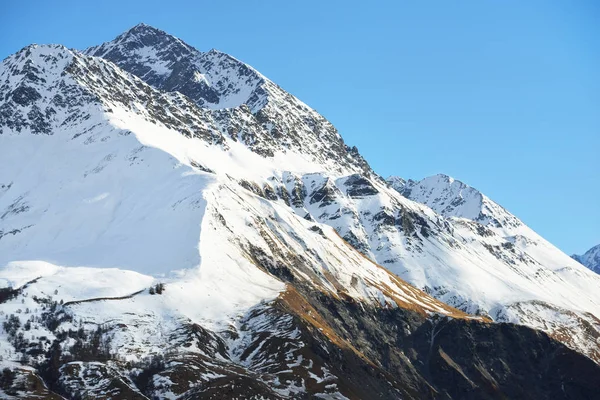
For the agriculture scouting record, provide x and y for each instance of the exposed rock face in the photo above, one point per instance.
(174, 225)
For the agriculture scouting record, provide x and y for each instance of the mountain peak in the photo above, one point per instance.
(36, 50)
(396, 182)
(142, 29)
(143, 25)
(443, 177)
(145, 51)
(33, 62)
(219, 82)
(453, 198)
(148, 35)
(590, 258)
(212, 79)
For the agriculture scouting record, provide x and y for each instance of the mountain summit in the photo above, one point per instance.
(265, 117)
(213, 79)
(175, 225)
(452, 198)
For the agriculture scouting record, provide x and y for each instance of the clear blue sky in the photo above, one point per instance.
(504, 95)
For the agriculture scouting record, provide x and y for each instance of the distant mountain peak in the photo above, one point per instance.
(590, 258)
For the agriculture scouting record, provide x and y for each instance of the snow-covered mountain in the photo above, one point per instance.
(531, 281)
(175, 225)
(364, 223)
(590, 258)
